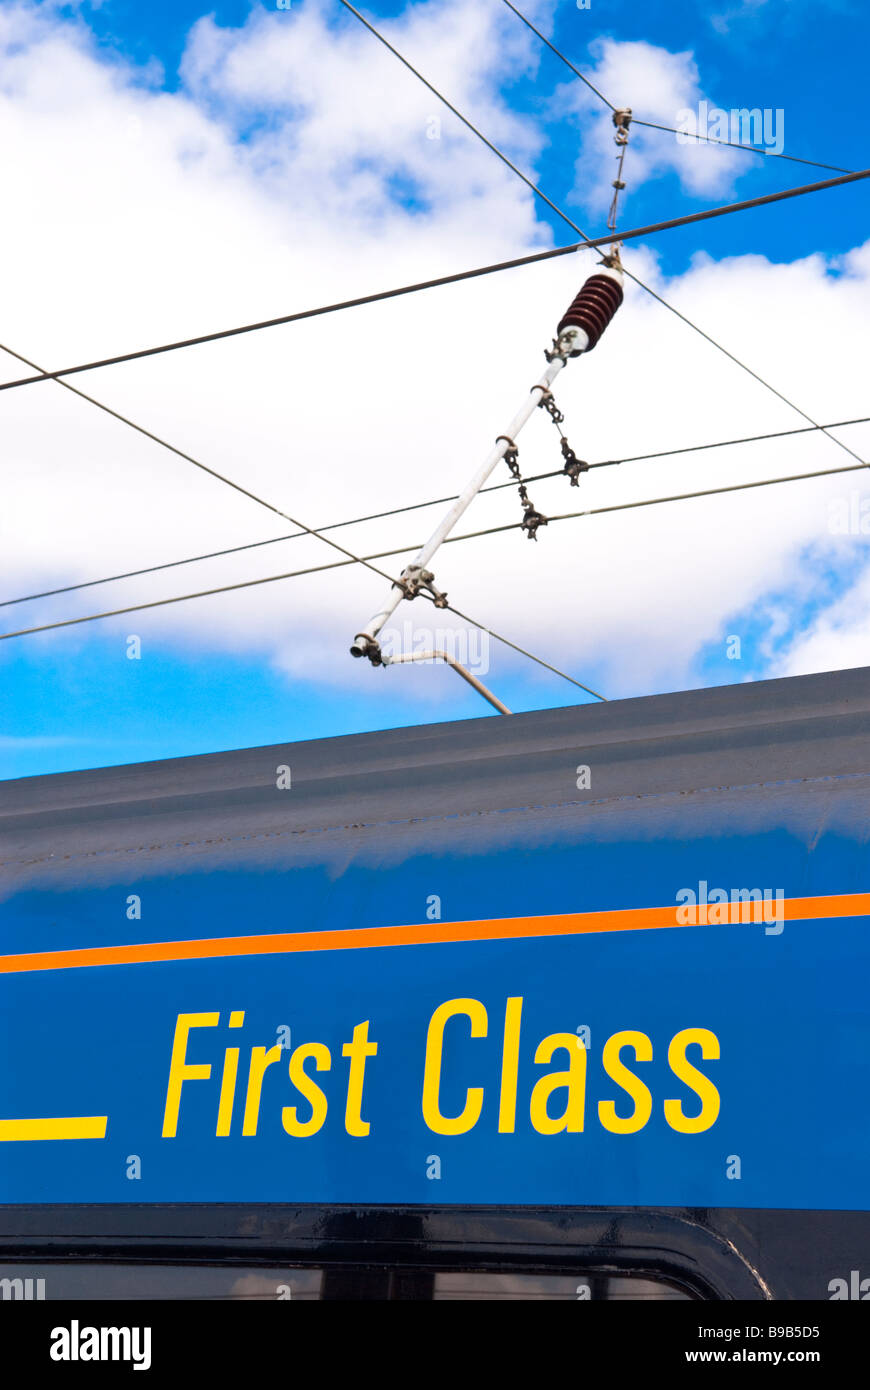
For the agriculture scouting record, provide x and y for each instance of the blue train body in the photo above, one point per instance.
(455, 965)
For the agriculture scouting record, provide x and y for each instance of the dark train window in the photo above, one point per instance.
(100, 1280)
(95, 1279)
(573, 1287)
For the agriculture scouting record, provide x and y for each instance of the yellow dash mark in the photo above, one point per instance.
(72, 1127)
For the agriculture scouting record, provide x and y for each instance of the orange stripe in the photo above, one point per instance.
(428, 934)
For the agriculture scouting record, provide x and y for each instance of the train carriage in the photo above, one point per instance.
(571, 1004)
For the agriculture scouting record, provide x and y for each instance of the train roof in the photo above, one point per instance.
(820, 712)
(815, 710)
(803, 727)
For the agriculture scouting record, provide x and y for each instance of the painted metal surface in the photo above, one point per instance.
(563, 841)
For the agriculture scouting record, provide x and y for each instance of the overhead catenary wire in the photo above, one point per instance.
(565, 218)
(213, 472)
(351, 558)
(245, 584)
(377, 296)
(458, 114)
(544, 39)
(652, 125)
(738, 145)
(419, 506)
(522, 651)
(450, 540)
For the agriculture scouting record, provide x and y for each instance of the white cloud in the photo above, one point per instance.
(334, 120)
(745, 9)
(141, 216)
(658, 86)
(745, 20)
(839, 636)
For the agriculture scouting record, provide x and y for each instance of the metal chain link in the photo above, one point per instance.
(573, 466)
(532, 518)
(622, 120)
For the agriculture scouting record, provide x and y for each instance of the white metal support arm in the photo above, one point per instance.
(578, 332)
(457, 666)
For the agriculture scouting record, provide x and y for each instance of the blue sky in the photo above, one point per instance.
(72, 698)
(792, 55)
